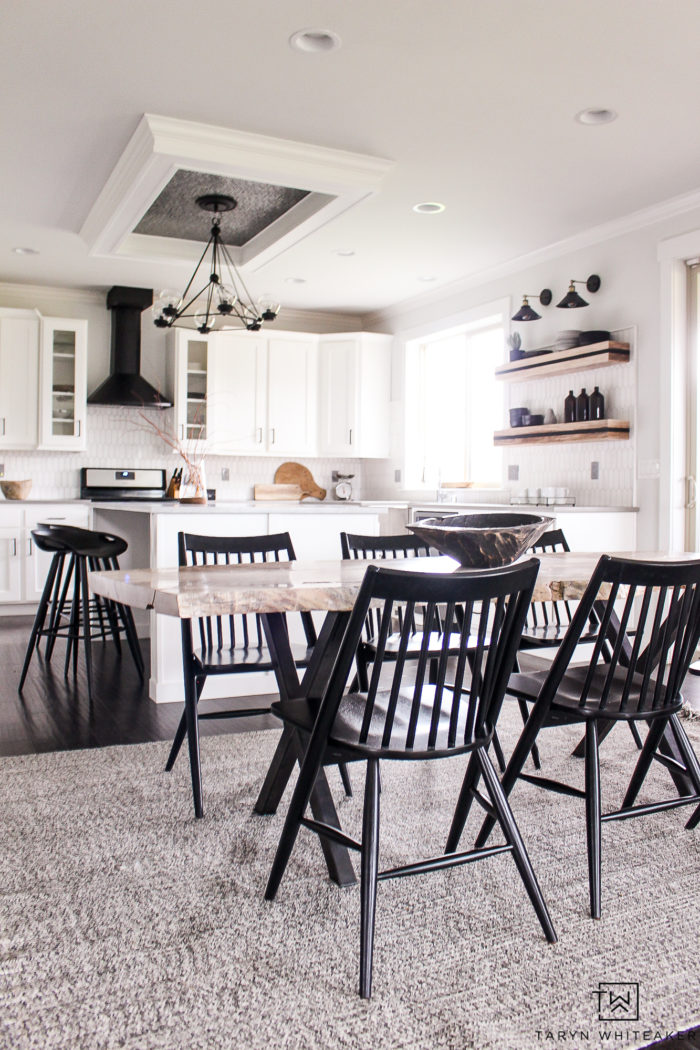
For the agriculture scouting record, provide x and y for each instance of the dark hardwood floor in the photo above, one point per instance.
(53, 713)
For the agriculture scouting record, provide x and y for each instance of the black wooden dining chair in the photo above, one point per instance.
(655, 610)
(227, 644)
(414, 719)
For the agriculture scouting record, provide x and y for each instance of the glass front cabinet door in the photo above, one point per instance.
(63, 376)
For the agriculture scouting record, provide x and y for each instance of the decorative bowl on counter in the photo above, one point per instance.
(483, 541)
(16, 489)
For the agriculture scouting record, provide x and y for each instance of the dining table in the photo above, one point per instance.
(272, 589)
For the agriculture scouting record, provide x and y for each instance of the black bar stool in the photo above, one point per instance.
(75, 551)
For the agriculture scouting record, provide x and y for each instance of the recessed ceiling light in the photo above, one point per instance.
(314, 40)
(596, 116)
(25, 251)
(344, 253)
(429, 208)
(295, 280)
(428, 278)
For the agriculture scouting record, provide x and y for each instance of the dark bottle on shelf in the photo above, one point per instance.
(583, 407)
(570, 408)
(597, 404)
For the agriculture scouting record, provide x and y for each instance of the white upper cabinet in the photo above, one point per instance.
(19, 378)
(237, 393)
(292, 395)
(63, 384)
(355, 395)
(262, 394)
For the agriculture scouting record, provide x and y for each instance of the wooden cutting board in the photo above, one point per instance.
(295, 474)
(277, 492)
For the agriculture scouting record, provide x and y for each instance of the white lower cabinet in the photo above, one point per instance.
(10, 556)
(23, 567)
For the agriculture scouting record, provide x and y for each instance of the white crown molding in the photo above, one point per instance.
(637, 220)
(160, 146)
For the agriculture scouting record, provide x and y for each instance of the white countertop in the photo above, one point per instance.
(245, 507)
(513, 508)
(331, 506)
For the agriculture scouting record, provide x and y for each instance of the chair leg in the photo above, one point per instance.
(464, 802)
(192, 725)
(515, 764)
(635, 735)
(345, 777)
(87, 640)
(126, 617)
(57, 608)
(182, 729)
(74, 626)
(593, 824)
(310, 767)
(39, 619)
(513, 837)
(498, 752)
(687, 752)
(525, 714)
(368, 880)
(646, 757)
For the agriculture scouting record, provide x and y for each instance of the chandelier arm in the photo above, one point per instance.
(196, 270)
(195, 297)
(234, 270)
(210, 295)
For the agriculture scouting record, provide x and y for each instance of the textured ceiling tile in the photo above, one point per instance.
(174, 213)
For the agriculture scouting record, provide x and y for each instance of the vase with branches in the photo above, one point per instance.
(193, 488)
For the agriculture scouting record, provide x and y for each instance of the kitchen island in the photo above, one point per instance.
(151, 531)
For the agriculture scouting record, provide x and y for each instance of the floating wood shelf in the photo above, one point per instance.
(592, 430)
(560, 362)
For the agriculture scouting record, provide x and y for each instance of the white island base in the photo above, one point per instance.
(151, 531)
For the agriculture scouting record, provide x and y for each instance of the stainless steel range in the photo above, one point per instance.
(120, 484)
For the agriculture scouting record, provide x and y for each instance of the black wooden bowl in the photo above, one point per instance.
(483, 541)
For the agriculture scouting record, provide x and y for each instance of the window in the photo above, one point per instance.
(454, 404)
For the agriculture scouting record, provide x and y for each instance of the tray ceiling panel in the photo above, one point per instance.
(285, 190)
(174, 212)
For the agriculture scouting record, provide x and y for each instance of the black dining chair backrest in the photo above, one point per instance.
(217, 633)
(404, 545)
(548, 614)
(652, 611)
(495, 604)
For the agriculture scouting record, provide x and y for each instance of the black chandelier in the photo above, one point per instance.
(219, 299)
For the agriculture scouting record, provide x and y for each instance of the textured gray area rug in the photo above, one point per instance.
(125, 923)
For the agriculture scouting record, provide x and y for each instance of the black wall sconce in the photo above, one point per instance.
(572, 300)
(526, 313)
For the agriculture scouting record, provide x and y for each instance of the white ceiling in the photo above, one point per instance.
(473, 101)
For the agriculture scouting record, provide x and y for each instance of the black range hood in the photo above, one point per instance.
(125, 385)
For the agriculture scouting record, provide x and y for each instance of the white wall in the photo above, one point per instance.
(626, 260)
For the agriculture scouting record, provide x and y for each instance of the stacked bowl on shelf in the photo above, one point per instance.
(567, 339)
